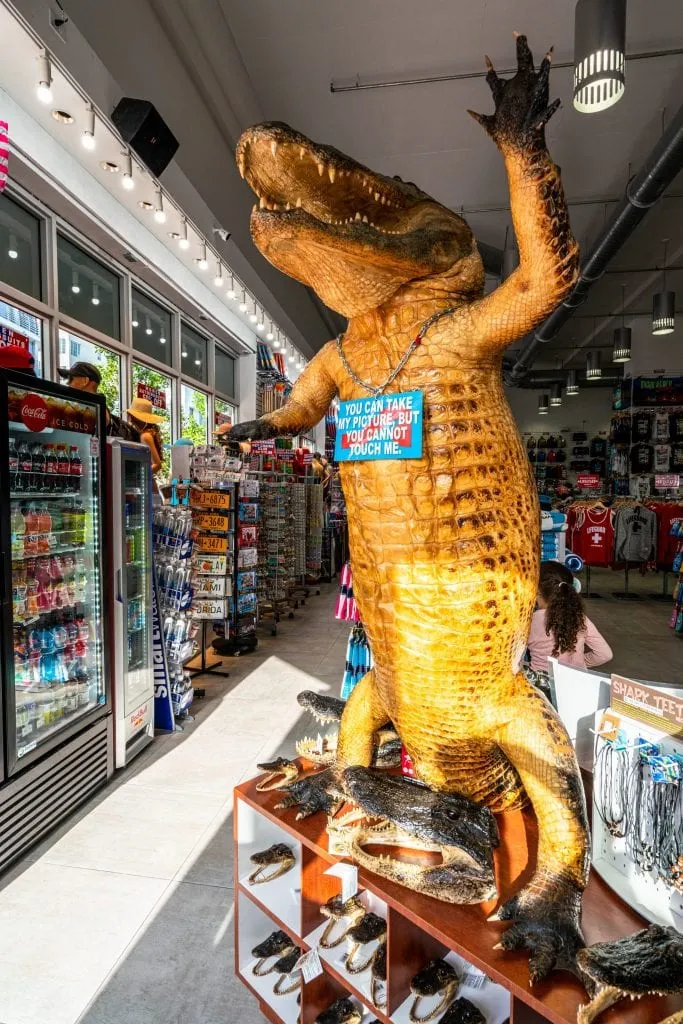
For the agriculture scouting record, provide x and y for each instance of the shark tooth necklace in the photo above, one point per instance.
(415, 343)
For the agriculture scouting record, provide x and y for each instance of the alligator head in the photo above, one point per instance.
(356, 237)
(284, 967)
(378, 978)
(372, 928)
(438, 978)
(326, 709)
(465, 835)
(462, 1011)
(343, 1011)
(279, 773)
(278, 856)
(350, 912)
(277, 944)
(646, 963)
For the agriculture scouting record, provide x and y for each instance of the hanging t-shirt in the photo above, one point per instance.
(641, 458)
(592, 535)
(669, 515)
(660, 427)
(620, 430)
(620, 462)
(598, 448)
(640, 487)
(676, 426)
(677, 456)
(636, 534)
(641, 427)
(662, 458)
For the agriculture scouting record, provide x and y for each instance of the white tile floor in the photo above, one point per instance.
(125, 915)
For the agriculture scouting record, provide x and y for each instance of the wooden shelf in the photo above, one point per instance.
(420, 927)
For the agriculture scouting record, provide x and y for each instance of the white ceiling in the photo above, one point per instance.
(273, 60)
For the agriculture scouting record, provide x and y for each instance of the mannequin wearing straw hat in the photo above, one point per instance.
(142, 416)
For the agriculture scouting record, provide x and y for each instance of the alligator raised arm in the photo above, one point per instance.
(444, 548)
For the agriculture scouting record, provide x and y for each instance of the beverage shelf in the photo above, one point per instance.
(41, 495)
(68, 549)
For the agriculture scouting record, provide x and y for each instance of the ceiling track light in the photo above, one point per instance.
(599, 54)
(183, 240)
(260, 323)
(542, 405)
(270, 335)
(95, 294)
(572, 387)
(556, 395)
(253, 317)
(44, 86)
(88, 136)
(75, 286)
(218, 279)
(664, 304)
(621, 347)
(202, 260)
(13, 251)
(277, 342)
(159, 212)
(243, 303)
(292, 356)
(148, 326)
(593, 370)
(231, 293)
(128, 181)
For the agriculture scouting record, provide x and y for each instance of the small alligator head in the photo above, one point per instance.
(378, 978)
(343, 1011)
(280, 772)
(284, 967)
(277, 944)
(646, 963)
(437, 978)
(372, 928)
(463, 833)
(462, 1011)
(279, 856)
(336, 910)
(324, 709)
(356, 237)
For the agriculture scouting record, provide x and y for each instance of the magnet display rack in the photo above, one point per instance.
(419, 928)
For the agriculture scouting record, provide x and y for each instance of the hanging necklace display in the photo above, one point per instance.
(415, 343)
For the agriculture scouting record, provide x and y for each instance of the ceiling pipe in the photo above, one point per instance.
(642, 192)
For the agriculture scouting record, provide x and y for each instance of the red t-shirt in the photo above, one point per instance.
(668, 514)
(591, 535)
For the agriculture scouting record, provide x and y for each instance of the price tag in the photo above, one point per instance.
(309, 965)
(348, 873)
(211, 521)
(211, 499)
(212, 543)
(474, 978)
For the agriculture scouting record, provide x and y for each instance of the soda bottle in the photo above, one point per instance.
(13, 464)
(18, 528)
(25, 466)
(63, 468)
(38, 467)
(51, 468)
(76, 469)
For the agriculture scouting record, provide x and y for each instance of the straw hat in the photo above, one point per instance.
(142, 409)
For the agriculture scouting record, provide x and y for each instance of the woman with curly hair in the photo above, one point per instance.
(560, 628)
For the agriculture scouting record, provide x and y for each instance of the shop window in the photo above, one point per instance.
(20, 328)
(193, 354)
(223, 412)
(193, 415)
(19, 248)
(152, 328)
(158, 388)
(75, 349)
(225, 372)
(88, 291)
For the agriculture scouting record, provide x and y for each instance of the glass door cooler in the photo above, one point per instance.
(55, 733)
(131, 578)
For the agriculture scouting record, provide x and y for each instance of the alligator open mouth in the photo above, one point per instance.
(314, 201)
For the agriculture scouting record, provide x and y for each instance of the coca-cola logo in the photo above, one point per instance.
(34, 413)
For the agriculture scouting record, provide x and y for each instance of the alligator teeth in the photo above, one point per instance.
(288, 206)
(254, 208)
(383, 200)
(302, 152)
(358, 216)
(298, 203)
(273, 147)
(321, 169)
(376, 197)
(365, 218)
(242, 165)
(262, 202)
(332, 173)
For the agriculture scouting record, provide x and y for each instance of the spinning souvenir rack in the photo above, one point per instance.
(418, 930)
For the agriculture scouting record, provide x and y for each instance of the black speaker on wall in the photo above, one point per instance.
(144, 129)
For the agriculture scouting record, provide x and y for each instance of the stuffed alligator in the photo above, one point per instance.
(444, 548)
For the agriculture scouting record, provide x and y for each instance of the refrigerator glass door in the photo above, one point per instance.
(56, 673)
(136, 580)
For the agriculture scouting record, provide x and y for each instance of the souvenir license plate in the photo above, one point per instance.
(211, 521)
(212, 499)
(212, 543)
(213, 586)
(213, 565)
(212, 609)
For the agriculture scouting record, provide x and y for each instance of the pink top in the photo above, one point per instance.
(591, 647)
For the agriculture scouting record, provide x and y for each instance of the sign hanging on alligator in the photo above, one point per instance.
(380, 427)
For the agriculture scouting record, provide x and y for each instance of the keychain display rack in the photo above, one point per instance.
(314, 527)
(276, 549)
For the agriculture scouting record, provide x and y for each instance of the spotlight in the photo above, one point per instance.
(148, 328)
(75, 286)
(599, 54)
(243, 303)
(162, 340)
(183, 240)
(593, 370)
(159, 212)
(218, 279)
(88, 136)
(542, 405)
(291, 357)
(44, 87)
(197, 362)
(270, 334)
(260, 325)
(184, 355)
(135, 323)
(276, 343)
(127, 180)
(556, 395)
(201, 261)
(572, 388)
(621, 350)
(253, 315)
(95, 294)
(231, 293)
(13, 252)
(664, 305)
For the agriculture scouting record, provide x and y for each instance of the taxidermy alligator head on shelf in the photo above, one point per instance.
(355, 236)
(278, 773)
(462, 1011)
(278, 857)
(438, 978)
(414, 817)
(343, 1011)
(650, 962)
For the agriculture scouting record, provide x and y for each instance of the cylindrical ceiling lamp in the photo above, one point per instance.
(621, 349)
(593, 370)
(599, 54)
(556, 395)
(664, 305)
(542, 405)
(572, 387)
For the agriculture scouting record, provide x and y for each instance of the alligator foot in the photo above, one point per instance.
(650, 962)
(415, 817)
(319, 791)
(546, 917)
(279, 773)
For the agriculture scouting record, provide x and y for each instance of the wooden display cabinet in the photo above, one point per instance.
(418, 928)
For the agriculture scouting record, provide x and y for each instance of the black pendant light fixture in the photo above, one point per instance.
(556, 395)
(542, 405)
(593, 370)
(599, 54)
(572, 387)
(664, 304)
(621, 350)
